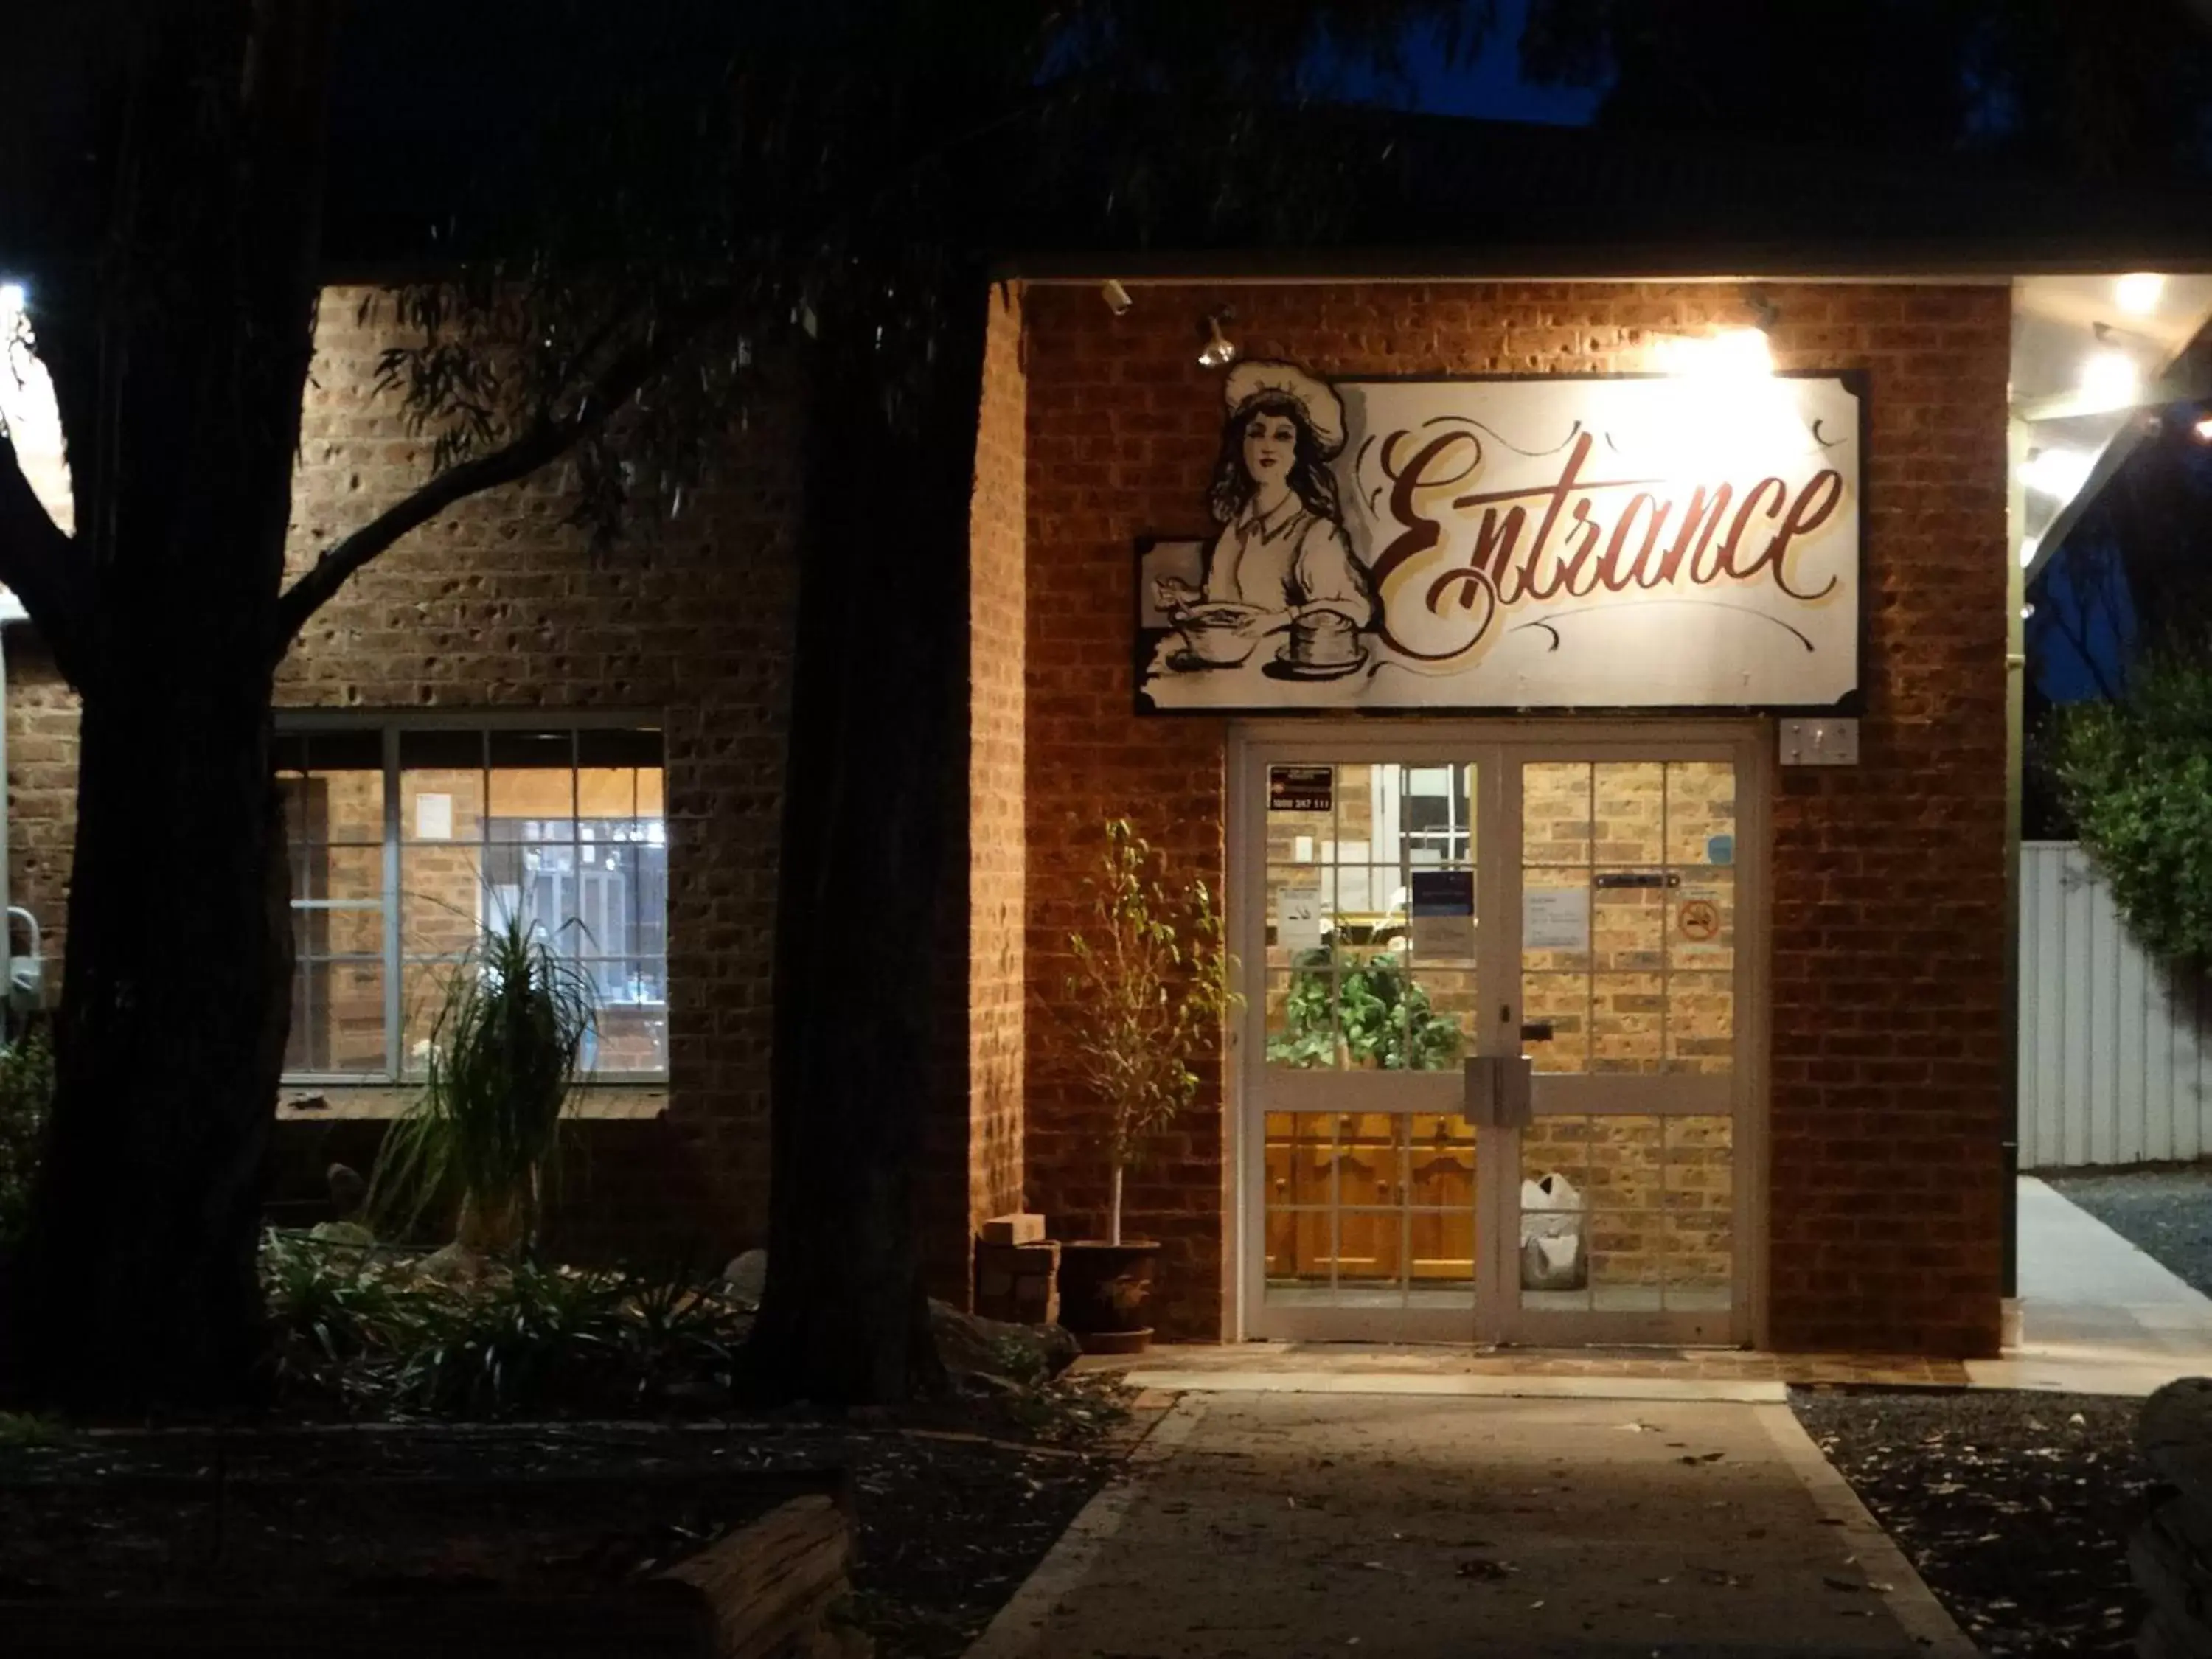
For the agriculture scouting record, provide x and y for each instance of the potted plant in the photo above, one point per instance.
(505, 1052)
(1149, 990)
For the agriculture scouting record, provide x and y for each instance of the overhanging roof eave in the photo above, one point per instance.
(1698, 261)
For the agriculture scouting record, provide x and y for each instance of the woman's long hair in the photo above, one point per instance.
(1310, 480)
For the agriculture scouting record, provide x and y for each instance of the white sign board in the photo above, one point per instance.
(1555, 919)
(1559, 543)
(1297, 915)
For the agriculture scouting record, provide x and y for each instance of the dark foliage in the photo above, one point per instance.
(2137, 777)
(26, 1091)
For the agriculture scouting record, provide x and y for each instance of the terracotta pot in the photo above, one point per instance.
(1106, 1293)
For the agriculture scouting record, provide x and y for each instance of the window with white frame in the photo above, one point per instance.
(407, 839)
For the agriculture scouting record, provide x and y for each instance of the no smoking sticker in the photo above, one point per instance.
(1699, 919)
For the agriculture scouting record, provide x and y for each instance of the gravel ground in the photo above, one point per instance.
(2166, 1214)
(2015, 1508)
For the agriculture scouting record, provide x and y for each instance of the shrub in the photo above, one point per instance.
(2137, 776)
(27, 1091)
(505, 1051)
(363, 1329)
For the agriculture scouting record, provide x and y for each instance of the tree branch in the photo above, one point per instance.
(38, 561)
(545, 439)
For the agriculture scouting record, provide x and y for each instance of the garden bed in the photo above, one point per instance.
(381, 1520)
(2014, 1507)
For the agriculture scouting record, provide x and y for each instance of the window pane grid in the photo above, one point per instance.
(562, 826)
(1647, 848)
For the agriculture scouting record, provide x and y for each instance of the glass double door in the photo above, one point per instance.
(1403, 905)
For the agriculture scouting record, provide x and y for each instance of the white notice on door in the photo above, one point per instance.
(434, 818)
(1297, 915)
(1555, 919)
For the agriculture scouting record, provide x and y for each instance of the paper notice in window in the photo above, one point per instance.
(434, 818)
(1555, 919)
(1297, 915)
(1442, 903)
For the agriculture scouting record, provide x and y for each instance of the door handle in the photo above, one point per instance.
(1497, 1092)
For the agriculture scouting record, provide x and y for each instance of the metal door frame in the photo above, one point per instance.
(1498, 749)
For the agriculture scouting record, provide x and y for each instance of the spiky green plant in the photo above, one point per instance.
(505, 1055)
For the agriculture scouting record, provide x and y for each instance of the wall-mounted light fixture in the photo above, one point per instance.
(1116, 296)
(1220, 350)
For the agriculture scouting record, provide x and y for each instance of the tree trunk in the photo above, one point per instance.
(179, 358)
(1114, 1209)
(879, 702)
(141, 1283)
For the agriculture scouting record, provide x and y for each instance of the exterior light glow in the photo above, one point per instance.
(11, 300)
(1731, 353)
(2026, 612)
(2059, 473)
(2203, 428)
(2110, 379)
(2138, 292)
(2027, 546)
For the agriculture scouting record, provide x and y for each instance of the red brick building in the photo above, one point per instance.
(1599, 661)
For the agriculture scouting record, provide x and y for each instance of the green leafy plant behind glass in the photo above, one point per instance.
(505, 1052)
(1373, 1015)
(2137, 776)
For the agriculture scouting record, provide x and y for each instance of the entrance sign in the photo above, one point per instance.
(1641, 541)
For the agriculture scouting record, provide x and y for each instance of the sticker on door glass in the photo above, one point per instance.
(1720, 849)
(1699, 920)
(1297, 915)
(1555, 919)
(1301, 788)
(1442, 907)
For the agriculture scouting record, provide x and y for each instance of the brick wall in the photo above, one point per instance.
(972, 1144)
(997, 859)
(498, 605)
(1888, 928)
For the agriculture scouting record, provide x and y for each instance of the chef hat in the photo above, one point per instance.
(1250, 381)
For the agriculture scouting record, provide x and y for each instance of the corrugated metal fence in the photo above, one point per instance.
(2115, 1056)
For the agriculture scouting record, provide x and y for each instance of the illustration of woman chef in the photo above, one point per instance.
(1282, 550)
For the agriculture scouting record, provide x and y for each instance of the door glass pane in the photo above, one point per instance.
(1627, 1212)
(1369, 890)
(1628, 916)
(1369, 1209)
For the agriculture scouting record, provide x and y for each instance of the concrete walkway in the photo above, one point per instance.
(1259, 1525)
(2096, 1315)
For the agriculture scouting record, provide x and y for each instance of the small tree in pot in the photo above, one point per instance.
(1149, 991)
